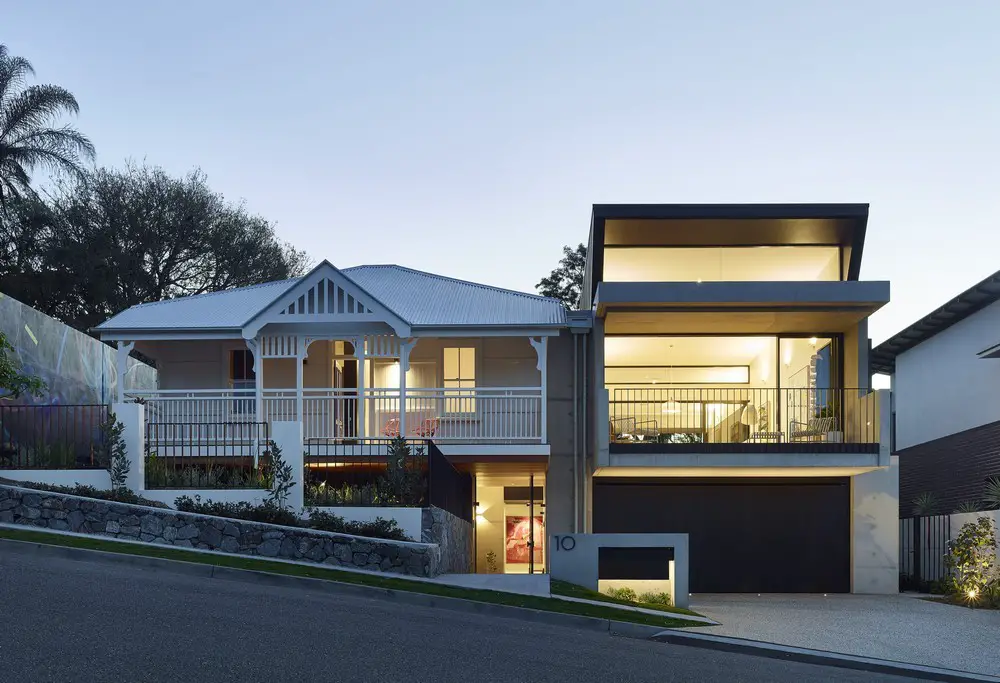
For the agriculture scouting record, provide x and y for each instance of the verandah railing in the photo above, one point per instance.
(485, 414)
(53, 436)
(744, 415)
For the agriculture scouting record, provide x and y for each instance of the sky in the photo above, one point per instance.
(471, 139)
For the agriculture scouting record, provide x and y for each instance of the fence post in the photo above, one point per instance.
(288, 437)
(918, 541)
(132, 416)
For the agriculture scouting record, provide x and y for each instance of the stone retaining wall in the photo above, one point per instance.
(29, 507)
(453, 535)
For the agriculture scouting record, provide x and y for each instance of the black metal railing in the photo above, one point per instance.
(449, 489)
(367, 473)
(198, 455)
(923, 546)
(824, 419)
(52, 437)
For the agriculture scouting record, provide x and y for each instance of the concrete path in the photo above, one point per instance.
(900, 628)
(524, 584)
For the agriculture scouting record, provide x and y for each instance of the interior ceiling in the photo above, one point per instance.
(732, 232)
(742, 264)
(732, 322)
(685, 350)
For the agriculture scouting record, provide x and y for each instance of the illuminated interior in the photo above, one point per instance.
(506, 518)
(697, 389)
(722, 264)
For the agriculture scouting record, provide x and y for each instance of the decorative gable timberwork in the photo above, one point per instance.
(326, 295)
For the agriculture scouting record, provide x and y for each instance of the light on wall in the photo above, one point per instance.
(813, 341)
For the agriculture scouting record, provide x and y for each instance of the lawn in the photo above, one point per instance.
(376, 581)
(572, 590)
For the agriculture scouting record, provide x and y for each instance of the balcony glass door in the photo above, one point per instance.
(808, 374)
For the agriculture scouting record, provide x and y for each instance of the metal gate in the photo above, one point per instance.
(923, 544)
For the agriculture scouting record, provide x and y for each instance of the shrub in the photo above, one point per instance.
(626, 594)
(968, 506)
(114, 452)
(377, 528)
(656, 599)
(119, 496)
(279, 476)
(268, 513)
(991, 493)
(925, 504)
(971, 559)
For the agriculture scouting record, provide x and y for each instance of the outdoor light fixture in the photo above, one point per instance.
(670, 407)
(813, 340)
(973, 593)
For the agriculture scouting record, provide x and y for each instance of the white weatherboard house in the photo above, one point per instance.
(714, 384)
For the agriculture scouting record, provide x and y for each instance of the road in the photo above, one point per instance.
(66, 620)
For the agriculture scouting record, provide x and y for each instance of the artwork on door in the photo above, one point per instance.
(518, 531)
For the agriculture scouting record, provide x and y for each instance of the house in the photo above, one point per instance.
(714, 382)
(732, 396)
(944, 369)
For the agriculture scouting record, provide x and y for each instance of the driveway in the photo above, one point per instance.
(902, 628)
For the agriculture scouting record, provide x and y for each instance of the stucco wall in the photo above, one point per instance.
(942, 387)
(875, 530)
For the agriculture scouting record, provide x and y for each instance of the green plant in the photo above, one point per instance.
(968, 506)
(971, 559)
(281, 483)
(991, 493)
(376, 528)
(656, 599)
(266, 513)
(55, 456)
(925, 504)
(623, 593)
(14, 382)
(491, 563)
(125, 496)
(403, 480)
(114, 452)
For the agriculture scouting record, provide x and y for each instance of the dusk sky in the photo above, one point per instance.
(471, 139)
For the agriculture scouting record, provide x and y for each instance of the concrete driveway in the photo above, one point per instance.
(901, 628)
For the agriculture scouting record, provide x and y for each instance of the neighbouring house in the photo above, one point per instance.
(714, 382)
(945, 372)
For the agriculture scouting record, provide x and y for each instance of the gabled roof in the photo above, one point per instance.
(975, 298)
(419, 298)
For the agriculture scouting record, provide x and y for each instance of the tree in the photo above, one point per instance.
(131, 236)
(28, 140)
(566, 282)
(15, 383)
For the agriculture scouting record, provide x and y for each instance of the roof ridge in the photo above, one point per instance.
(188, 297)
(455, 279)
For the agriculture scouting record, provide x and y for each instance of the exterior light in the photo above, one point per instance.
(813, 341)
(972, 593)
(670, 407)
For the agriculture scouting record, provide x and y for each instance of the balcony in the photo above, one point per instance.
(652, 426)
(481, 415)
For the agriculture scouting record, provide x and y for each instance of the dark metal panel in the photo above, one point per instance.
(634, 563)
(746, 536)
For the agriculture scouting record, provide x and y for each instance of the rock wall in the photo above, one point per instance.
(63, 512)
(453, 535)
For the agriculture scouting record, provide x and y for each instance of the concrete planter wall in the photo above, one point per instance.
(63, 512)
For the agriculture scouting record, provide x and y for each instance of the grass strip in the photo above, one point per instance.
(571, 590)
(386, 582)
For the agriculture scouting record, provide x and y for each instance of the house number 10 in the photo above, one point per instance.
(566, 543)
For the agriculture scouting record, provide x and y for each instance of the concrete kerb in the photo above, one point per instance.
(818, 657)
(626, 629)
(643, 610)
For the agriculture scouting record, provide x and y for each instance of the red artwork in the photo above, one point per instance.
(519, 530)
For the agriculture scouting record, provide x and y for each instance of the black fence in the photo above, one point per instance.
(923, 545)
(52, 437)
(370, 473)
(449, 489)
(202, 455)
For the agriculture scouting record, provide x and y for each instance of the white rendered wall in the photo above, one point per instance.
(941, 387)
(875, 530)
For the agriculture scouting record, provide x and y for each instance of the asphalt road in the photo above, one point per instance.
(66, 620)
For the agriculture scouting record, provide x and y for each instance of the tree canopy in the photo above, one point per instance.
(566, 281)
(14, 382)
(30, 137)
(123, 237)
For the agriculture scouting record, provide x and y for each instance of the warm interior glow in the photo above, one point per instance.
(722, 264)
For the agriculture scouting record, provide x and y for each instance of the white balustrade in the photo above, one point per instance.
(480, 414)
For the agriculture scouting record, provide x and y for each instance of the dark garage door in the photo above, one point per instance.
(762, 536)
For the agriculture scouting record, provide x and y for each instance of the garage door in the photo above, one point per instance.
(762, 536)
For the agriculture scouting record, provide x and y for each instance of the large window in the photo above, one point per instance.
(460, 375)
(721, 264)
(241, 373)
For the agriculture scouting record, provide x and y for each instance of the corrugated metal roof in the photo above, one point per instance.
(422, 299)
(217, 310)
(426, 299)
(883, 357)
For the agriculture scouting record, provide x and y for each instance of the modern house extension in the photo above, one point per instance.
(733, 401)
(945, 376)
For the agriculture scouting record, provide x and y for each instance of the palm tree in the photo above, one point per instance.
(28, 139)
